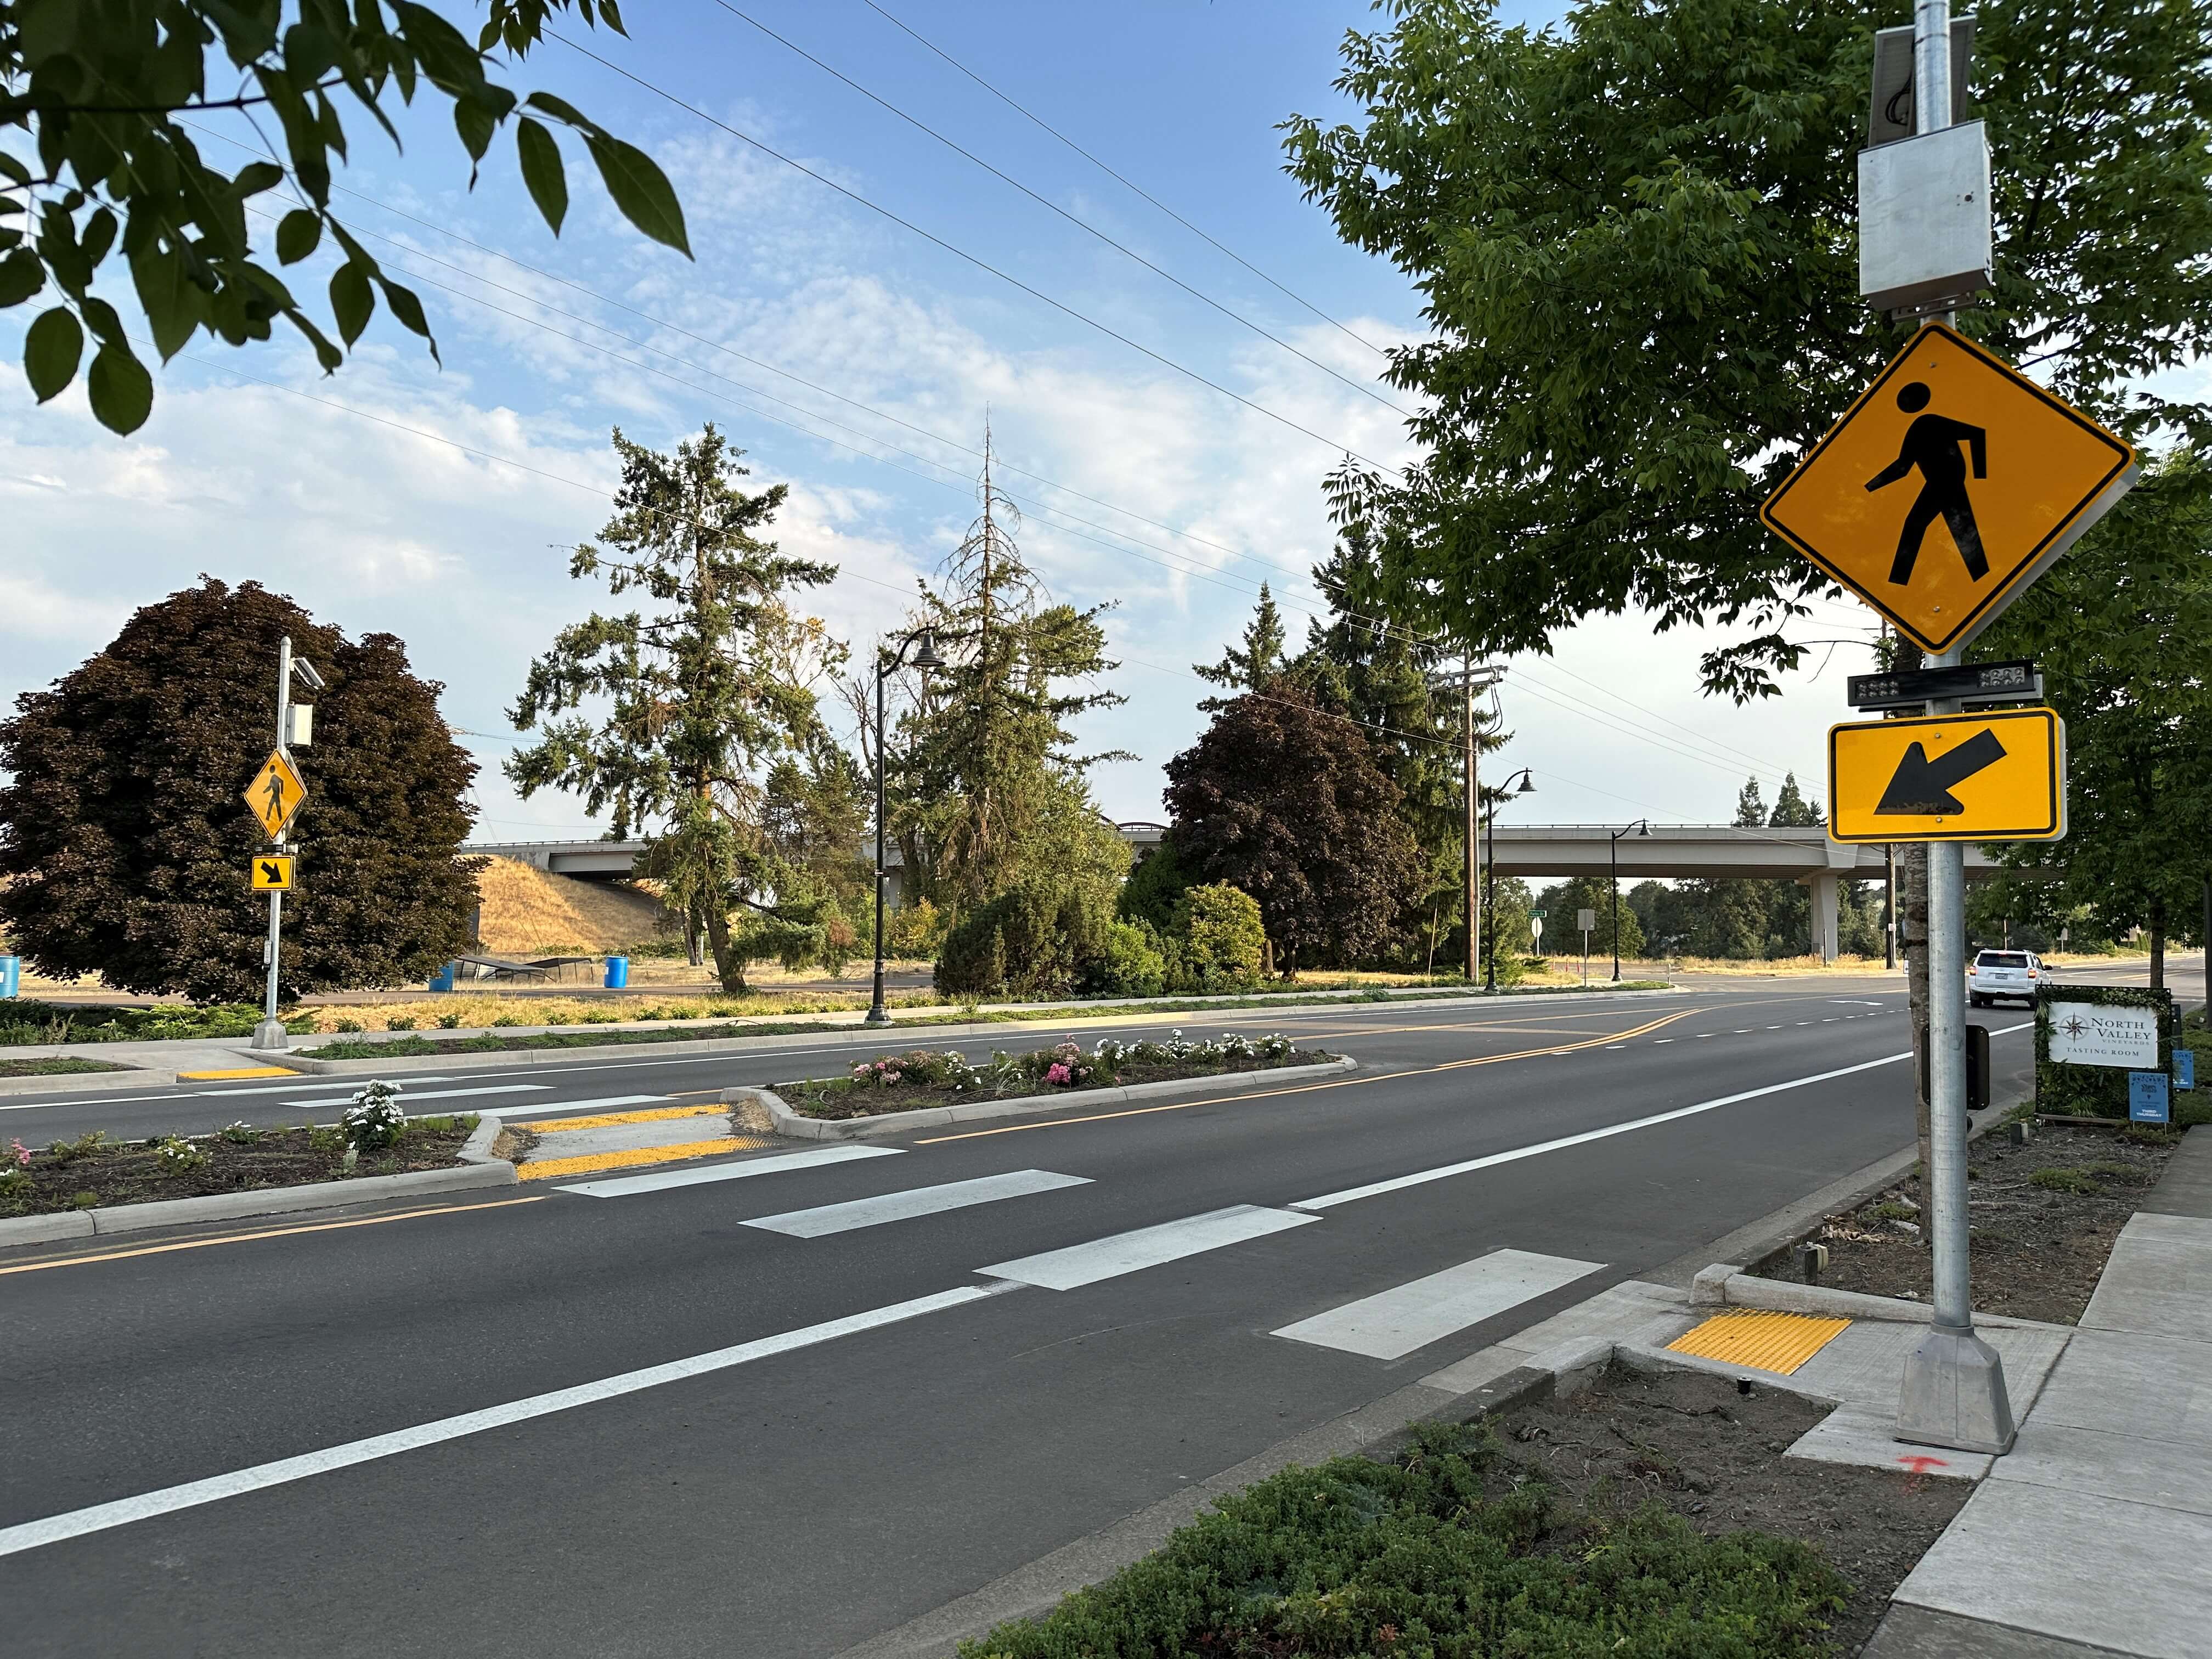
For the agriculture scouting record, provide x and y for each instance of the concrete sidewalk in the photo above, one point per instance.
(2094, 1536)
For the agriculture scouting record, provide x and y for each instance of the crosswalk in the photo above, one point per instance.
(1391, 1324)
(827, 1218)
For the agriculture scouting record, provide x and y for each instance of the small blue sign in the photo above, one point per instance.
(2148, 1097)
(2184, 1068)
(11, 970)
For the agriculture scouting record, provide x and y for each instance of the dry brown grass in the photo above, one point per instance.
(528, 912)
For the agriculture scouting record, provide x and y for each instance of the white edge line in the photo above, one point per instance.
(1329, 1201)
(54, 1529)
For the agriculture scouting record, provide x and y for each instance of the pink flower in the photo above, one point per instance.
(1057, 1073)
(21, 1153)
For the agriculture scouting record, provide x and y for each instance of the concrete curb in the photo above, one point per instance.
(478, 1169)
(84, 1083)
(782, 1120)
(1737, 1289)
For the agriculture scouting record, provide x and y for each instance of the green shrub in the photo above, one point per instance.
(400, 1022)
(1033, 941)
(1363, 1557)
(2065, 1180)
(1125, 963)
(915, 930)
(1223, 938)
(1154, 891)
(449, 1022)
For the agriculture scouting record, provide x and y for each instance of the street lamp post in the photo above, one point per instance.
(1641, 827)
(888, 663)
(1526, 786)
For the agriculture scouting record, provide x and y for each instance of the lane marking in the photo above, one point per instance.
(407, 1097)
(271, 1232)
(1145, 1247)
(1398, 1183)
(1392, 1323)
(623, 1186)
(827, 1218)
(337, 1082)
(628, 1158)
(1310, 1088)
(591, 1120)
(99, 1517)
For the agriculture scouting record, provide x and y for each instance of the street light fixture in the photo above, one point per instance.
(1641, 827)
(1526, 786)
(887, 663)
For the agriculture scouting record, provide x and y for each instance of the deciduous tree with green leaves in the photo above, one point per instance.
(701, 697)
(107, 94)
(1635, 237)
(2122, 629)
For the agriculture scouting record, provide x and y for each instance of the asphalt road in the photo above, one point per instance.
(858, 1415)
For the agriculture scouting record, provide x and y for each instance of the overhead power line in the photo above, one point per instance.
(1038, 295)
(1130, 184)
(1051, 206)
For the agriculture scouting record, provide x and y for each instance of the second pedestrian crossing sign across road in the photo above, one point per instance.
(1997, 776)
(1947, 488)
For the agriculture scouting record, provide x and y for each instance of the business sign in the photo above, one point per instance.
(1947, 488)
(2102, 1034)
(2147, 1099)
(1997, 776)
(2184, 1068)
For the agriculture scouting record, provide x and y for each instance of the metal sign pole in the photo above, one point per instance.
(270, 1033)
(1954, 1391)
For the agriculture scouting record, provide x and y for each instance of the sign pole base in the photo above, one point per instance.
(1954, 1394)
(270, 1034)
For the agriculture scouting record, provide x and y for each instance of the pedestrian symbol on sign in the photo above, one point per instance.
(1931, 445)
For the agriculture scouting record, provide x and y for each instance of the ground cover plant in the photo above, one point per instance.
(25, 1023)
(1454, 1550)
(53, 1067)
(923, 1077)
(94, 1169)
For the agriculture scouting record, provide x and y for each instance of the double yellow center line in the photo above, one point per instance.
(1335, 1083)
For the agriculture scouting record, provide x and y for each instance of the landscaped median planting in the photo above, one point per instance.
(1456, 1549)
(93, 1171)
(925, 1077)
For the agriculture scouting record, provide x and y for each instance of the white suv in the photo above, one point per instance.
(2003, 973)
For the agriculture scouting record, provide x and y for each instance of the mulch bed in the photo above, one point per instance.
(835, 1097)
(1696, 1445)
(2037, 1250)
(133, 1172)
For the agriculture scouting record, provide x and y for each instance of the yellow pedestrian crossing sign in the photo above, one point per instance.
(1997, 776)
(276, 793)
(272, 873)
(1947, 488)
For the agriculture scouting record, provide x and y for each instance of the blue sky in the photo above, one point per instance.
(375, 527)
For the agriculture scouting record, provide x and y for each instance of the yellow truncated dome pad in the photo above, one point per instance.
(1778, 1342)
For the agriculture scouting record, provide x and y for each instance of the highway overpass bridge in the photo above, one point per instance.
(1555, 851)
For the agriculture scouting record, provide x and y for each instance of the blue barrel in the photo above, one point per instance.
(11, 976)
(617, 973)
(443, 979)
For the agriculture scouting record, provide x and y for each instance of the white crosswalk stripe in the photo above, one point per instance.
(1146, 1247)
(625, 1186)
(1393, 1323)
(827, 1218)
(408, 1097)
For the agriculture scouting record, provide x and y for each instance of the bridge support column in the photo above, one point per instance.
(1825, 939)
